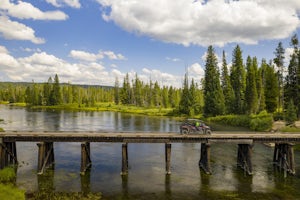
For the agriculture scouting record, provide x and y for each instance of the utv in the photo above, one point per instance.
(191, 126)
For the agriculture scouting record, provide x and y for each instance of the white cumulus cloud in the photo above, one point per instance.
(213, 22)
(25, 10)
(17, 31)
(60, 3)
(87, 56)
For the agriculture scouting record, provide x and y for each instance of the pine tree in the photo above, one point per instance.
(226, 87)
(251, 92)
(292, 83)
(165, 97)
(279, 62)
(260, 85)
(185, 100)
(271, 89)
(192, 98)
(238, 82)
(214, 103)
(156, 98)
(138, 91)
(291, 115)
(116, 92)
(125, 95)
(55, 95)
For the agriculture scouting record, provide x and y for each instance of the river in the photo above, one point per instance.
(146, 178)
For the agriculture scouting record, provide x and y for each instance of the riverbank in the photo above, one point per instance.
(260, 122)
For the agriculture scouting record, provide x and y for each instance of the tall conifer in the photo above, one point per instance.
(214, 103)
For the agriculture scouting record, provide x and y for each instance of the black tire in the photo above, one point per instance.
(185, 131)
(208, 132)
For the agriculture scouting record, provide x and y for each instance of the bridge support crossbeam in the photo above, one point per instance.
(86, 161)
(45, 156)
(284, 157)
(244, 157)
(204, 162)
(8, 154)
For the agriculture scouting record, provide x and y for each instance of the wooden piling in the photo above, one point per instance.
(8, 154)
(168, 157)
(244, 157)
(45, 156)
(124, 159)
(284, 157)
(86, 161)
(204, 162)
(2, 156)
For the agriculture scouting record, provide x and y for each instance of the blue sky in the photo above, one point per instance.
(95, 41)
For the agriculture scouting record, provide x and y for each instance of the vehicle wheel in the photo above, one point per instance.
(185, 131)
(208, 132)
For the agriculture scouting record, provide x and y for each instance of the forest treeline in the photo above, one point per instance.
(245, 87)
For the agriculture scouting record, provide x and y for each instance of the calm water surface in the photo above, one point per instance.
(146, 179)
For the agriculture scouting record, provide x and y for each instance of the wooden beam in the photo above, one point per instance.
(45, 156)
(86, 161)
(168, 157)
(204, 162)
(124, 159)
(244, 157)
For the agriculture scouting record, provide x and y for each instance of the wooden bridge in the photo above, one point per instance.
(283, 151)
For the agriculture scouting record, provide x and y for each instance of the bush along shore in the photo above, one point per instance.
(8, 189)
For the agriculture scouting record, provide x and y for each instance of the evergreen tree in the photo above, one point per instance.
(55, 95)
(138, 91)
(192, 98)
(214, 103)
(271, 89)
(47, 91)
(156, 95)
(125, 95)
(116, 91)
(291, 115)
(238, 82)
(226, 87)
(261, 86)
(251, 92)
(279, 62)
(292, 83)
(184, 103)
(165, 97)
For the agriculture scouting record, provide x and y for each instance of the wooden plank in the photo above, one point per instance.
(150, 137)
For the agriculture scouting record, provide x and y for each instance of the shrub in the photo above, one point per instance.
(261, 122)
(232, 120)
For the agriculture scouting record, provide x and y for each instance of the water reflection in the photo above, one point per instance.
(146, 179)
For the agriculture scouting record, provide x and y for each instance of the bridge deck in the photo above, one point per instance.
(148, 137)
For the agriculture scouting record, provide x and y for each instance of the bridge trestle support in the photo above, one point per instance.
(284, 157)
(124, 159)
(204, 162)
(244, 157)
(168, 158)
(45, 156)
(86, 161)
(8, 154)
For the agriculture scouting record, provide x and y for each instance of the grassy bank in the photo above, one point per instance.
(260, 122)
(8, 190)
(111, 107)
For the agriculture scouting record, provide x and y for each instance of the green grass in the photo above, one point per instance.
(7, 189)
(7, 174)
(290, 129)
(111, 107)
(10, 192)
